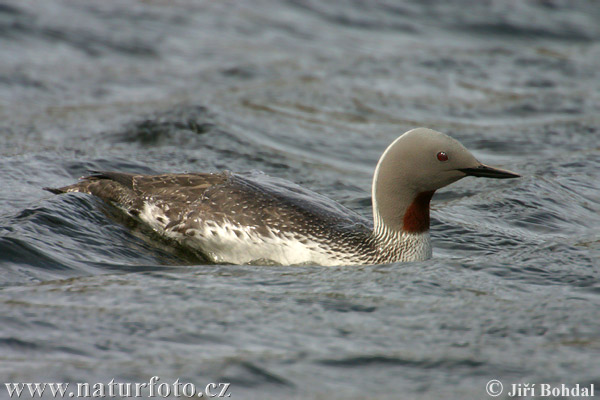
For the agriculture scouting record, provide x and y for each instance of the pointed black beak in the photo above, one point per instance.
(485, 171)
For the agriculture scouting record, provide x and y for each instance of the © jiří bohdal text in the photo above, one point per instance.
(551, 390)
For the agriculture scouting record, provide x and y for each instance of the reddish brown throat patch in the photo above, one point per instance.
(416, 217)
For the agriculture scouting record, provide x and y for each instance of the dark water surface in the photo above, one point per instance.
(313, 92)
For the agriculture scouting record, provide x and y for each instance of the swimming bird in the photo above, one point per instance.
(243, 218)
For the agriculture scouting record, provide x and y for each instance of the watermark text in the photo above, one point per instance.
(113, 389)
(495, 388)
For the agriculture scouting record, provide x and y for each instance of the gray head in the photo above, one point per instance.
(413, 167)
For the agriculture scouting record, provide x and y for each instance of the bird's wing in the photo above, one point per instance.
(245, 199)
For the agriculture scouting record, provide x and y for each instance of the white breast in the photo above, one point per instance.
(231, 243)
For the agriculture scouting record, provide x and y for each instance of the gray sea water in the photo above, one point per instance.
(313, 92)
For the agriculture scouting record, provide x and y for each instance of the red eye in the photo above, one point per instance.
(442, 156)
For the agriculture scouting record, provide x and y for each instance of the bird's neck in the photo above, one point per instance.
(407, 214)
(416, 215)
(402, 233)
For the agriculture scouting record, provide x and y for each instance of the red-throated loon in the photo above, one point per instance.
(243, 218)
